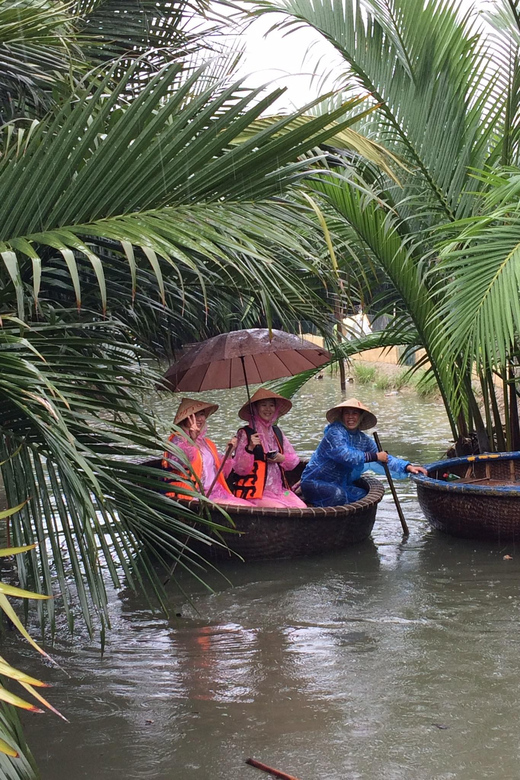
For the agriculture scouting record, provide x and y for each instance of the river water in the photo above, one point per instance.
(395, 660)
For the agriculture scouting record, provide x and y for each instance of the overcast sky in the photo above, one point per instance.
(289, 59)
(292, 59)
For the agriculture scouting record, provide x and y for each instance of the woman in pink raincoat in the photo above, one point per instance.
(264, 454)
(202, 454)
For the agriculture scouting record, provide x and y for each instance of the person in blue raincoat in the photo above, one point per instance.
(342, 456)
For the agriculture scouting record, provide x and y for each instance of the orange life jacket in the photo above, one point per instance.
(196, 465)
(252, 485)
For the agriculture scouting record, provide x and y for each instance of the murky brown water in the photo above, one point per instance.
(392, 661)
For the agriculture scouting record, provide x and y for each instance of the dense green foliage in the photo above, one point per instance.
(441, 245)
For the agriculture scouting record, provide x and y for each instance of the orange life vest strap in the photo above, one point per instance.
(252, 485)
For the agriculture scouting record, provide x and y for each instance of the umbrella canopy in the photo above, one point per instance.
(242, 357)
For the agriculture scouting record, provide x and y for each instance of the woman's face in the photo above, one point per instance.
(266, 409)
(200, 419)
(351, 418)
(195, 423)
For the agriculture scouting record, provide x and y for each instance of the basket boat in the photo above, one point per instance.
(275, 533)
(483, 503)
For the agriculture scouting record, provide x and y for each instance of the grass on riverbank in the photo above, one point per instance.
(388, 377)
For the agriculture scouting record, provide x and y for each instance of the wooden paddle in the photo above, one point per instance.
(406, 532)
(229, 450)
(270, 770)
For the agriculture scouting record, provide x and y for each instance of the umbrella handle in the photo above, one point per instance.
(229, 450)
(406, 532)
(252, 420)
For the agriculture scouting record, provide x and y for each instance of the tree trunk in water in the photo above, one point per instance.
(487, 411)
(341, 335)
(480, 428)
(499, 433)
(513, 410)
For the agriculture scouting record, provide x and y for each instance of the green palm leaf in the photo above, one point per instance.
(345, 139)
(482, 309)
(12, 743)
(21, 766)
(424, 66)
(125, 30)
(37, 49)
(135, 182)
(89, 505)
(400, 256)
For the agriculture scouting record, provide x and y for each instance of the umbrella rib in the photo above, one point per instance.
(208, 365)
(284, 364)
(257, 368)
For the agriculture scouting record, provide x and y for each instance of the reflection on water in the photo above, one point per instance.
(395, 659)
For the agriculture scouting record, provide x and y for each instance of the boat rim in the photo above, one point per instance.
(438, 484)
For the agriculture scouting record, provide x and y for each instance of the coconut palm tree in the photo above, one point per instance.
(446, 93)
(140, 213)
(480, 253)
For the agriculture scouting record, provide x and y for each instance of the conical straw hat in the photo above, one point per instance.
(188, 406)
(282, 404)
(368, 420)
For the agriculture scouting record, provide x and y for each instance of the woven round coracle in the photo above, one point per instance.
(265, 532)
(189, 406)
(368, 420)
(268, 533)
(283, 404)
(476, 497)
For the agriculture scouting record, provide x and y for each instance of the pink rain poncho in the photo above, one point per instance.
(275, 493)
(209, 467)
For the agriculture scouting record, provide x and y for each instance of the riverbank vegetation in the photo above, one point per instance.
(390, 378)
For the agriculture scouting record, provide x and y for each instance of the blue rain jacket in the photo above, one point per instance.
(328, 479)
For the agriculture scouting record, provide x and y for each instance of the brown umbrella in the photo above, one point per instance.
(242, 357)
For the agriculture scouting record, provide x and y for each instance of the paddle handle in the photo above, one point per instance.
(229, 450)
(404, 525)
(269, 769)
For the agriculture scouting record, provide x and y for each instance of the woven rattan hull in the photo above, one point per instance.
(483, 504)
(266, 533)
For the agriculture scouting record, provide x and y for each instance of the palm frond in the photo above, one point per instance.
(164, 31)
(401, 257)
(74, 430)
(482, 267)
(12, 741)
(425, 66)
(345, 139)
(134, 182)
(22, 765)
(344, 350)
(37, 49)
